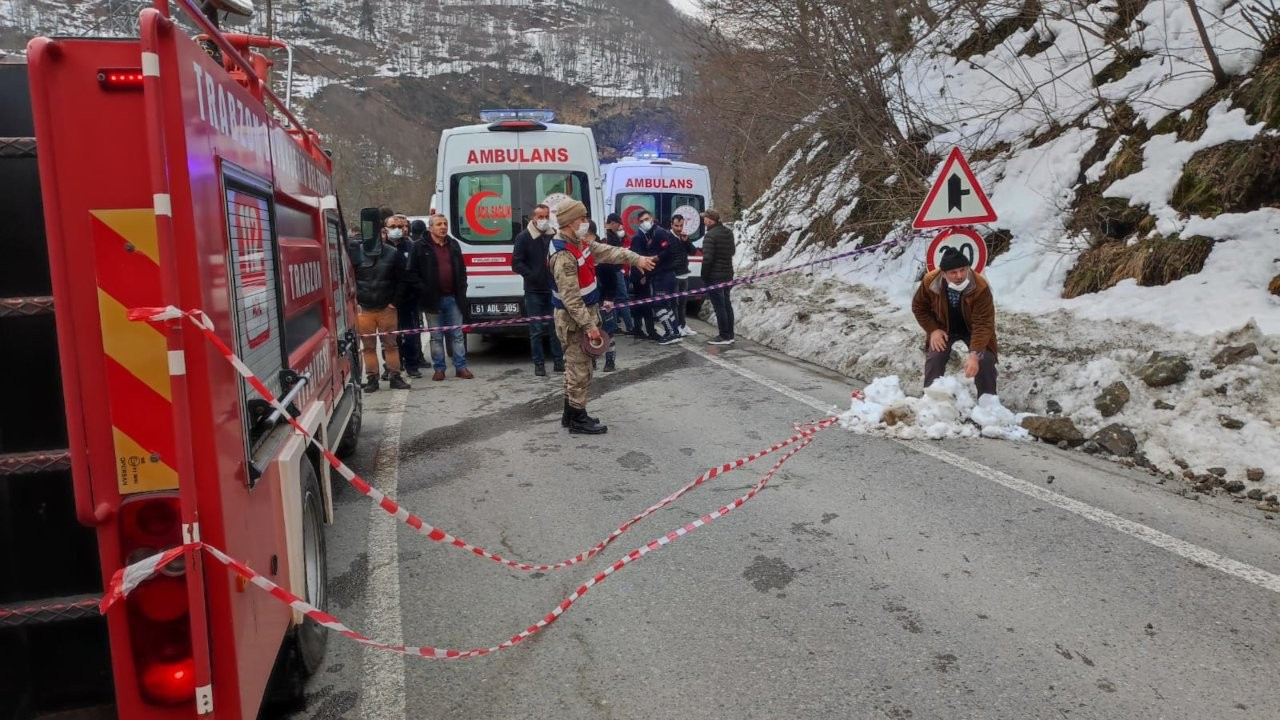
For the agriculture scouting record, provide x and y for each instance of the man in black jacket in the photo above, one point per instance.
(529, 260)
(444, 289)
(379, 278)
(410, 316)
(657, 240)
(717, 267)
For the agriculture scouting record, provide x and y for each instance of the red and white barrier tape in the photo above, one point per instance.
(664, 297)
(128, 578)
(419, 525)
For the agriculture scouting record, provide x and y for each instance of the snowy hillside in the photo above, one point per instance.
(1137, 207)
(345, 41)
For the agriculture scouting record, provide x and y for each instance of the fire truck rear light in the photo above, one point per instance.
(169, 683)
(158, 518)
(120, 78)
(162, 599)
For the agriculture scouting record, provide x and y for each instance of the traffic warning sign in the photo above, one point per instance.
(956, 198)
(966, 241)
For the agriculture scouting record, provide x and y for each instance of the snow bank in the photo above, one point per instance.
(947, 409)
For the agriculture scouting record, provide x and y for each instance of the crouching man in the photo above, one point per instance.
(954, 303)
(575, 296)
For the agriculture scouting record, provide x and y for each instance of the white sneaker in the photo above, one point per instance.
(688, 331)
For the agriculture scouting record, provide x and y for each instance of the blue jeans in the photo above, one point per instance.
(449, 314)
(410, 345)
(624, 314)
(724, 311)
(539, 303)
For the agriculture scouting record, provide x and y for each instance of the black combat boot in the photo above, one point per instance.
(371, 384)
(397, 382)
(557, 365)
(540, 369)
(569, 410)
(582, 424)
(609, 366)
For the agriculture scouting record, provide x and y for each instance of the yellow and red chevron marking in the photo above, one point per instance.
(126, 257)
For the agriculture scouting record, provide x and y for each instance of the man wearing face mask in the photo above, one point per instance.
(954, 303)
(529, 260)
(576, 297)
(378, 283)
(405, 237)
(658, 241)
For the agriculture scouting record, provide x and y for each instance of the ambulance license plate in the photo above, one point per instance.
(496, 309)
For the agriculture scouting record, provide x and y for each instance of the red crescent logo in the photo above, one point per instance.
(630, 213)
(474, 204)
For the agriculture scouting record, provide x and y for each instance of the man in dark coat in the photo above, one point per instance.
(406, 237)
(379, 281)
(955, 303)
(717, 267)
(529, 260)
(615, 236)
(444, 290)
(657, 240)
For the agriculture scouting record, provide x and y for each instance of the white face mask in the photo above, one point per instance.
(647, 225)
(584, 230)
(395, 234)
(542, 225)
(958, 287)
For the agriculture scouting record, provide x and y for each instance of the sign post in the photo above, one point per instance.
(956, 200)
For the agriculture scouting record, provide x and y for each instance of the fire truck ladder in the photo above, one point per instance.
(54, 653)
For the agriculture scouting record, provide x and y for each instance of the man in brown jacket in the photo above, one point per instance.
(575, 296)
(954, 303)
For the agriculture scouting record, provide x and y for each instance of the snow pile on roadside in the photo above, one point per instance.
(947, 409)
(1216, 417)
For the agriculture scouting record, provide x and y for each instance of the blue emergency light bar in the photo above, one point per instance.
(538, 116)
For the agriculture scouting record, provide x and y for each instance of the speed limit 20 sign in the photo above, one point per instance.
(966, 241)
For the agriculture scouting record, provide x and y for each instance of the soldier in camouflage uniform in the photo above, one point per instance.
(576, 299)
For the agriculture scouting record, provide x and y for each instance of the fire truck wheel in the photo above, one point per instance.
(310, 638)
(351, 436)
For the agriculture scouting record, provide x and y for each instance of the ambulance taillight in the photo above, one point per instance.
(159, 621)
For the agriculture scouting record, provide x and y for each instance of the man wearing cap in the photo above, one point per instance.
(576, 298)
(954, 303)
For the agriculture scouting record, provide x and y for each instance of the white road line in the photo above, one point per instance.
(382, 688)
(1151, 536)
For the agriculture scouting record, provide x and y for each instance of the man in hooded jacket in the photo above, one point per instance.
(379, 281)
(955, 303)
(529, 253)
(576, 297)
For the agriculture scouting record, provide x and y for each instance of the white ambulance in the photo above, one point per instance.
(490, 176)
(665, 188)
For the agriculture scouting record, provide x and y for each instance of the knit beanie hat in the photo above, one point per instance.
(569, 212)
(952, 259)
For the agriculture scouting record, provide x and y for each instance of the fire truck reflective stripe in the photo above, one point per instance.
(136, 227)
(177, 363)
(134, 345)
(136, 358)
(191, 533)
(163, 205)
(329, 202)
(150, 64)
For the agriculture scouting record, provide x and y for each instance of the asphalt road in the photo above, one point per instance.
(871, 578)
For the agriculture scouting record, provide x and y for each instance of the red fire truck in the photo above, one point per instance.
(168, 178)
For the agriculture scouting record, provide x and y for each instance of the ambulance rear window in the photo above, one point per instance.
(663, 206)
(491, 208)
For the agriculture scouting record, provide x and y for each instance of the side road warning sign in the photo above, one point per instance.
(956, 198)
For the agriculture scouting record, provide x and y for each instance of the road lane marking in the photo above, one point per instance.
(1151, 536)
(382, 689)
